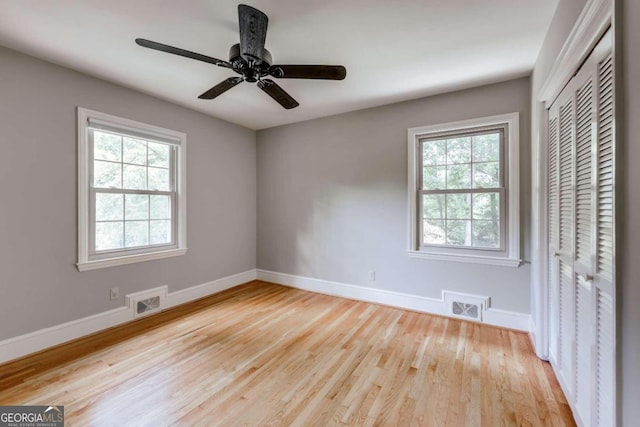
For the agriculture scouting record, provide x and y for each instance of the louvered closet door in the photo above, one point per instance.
(565, 232)
(583, 263)
(553, 203)
(604, 368)
(581, 239)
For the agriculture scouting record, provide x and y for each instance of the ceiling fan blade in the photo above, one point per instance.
(177, 51)
(277, 93)
(253, 33)
(221, 87)
(326, 72)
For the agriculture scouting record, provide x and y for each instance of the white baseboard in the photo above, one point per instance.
(23, 345)
(209, 288)
(507, 319)
(491, 316)
(32, 342)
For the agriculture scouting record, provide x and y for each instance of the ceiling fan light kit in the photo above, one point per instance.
(253, 62)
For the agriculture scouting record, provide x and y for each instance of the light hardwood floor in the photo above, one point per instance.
(263, 354)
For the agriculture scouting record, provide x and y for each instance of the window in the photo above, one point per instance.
(131, 191)
(463, 191)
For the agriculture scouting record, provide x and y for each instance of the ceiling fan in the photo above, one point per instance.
(253, 62)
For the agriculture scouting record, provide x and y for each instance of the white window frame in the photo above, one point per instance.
(86, 259)
(510, 256)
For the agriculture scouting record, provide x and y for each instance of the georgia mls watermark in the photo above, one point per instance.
(32, 416)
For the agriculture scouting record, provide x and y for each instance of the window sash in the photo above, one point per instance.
(486, 130)
(107, 253)
(94, 254)
(502, 130)
(172, 159)
(502, 219)
(131, 131)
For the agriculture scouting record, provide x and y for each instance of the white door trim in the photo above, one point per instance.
(592, 23)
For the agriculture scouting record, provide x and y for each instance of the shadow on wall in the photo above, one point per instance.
(349, 209)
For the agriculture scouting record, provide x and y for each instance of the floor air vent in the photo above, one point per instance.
(466, 306)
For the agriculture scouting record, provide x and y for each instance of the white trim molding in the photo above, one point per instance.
(88, 119)
(592, 23)
(491, 316)
(23, 345)
(473, 259)
(130, 259)
(509, 256)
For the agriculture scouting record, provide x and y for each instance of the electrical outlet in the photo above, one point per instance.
(114, 294)
(372, 275)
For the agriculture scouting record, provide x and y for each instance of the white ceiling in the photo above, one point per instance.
(393, 50)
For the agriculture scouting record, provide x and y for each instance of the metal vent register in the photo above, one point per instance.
(465, 310)
(147, 305)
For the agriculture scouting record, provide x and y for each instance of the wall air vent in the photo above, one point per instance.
(465, 306)
(146, 302)
(464, 309)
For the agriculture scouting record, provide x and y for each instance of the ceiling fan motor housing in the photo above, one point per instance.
(251, 71)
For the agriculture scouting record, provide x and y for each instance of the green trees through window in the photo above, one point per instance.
(133, 192)
(462, 190)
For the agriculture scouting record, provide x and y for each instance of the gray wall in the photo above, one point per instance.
(629, 227)
(39, 283)
(332, 198)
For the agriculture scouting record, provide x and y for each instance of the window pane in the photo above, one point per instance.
(459, 232)
(158, 155)
(459, 150)
(136, 206)
(108, 207)
(459, 206)
(135, 177)
(433, 231)
(486, 206)
(159, 179)
(135, 151)
(160, 207)
(458, 176)
(433, 206)
(486, 148)
(160, 232)
(107, 174)
(434, 177)
(486, 175)
(107, 146)
(109, 235)
(434, 152)
(486, 234)
(136, 233)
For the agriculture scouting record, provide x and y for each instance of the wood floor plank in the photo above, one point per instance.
(263, 354)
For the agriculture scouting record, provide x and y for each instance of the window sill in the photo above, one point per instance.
(474, 259)
(130, 259)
